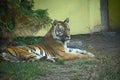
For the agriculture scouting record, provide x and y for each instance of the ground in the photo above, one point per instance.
(105, 66)
(105, 46)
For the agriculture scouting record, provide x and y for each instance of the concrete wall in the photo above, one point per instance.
(84, 15)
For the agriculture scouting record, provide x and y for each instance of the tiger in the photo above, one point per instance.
(54, 47)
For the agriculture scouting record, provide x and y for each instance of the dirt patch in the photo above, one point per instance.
(105, 46)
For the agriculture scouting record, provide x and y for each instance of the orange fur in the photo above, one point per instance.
(60, 52)
(20, 53)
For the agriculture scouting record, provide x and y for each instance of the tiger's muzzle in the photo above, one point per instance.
(65, 38)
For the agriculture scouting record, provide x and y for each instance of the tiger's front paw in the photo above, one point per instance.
(91, 55)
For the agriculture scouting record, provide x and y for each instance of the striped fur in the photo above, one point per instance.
(54, 47)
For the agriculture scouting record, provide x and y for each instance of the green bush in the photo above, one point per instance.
(12, 10)
(28, 40)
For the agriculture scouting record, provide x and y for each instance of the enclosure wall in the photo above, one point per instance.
(84, 15)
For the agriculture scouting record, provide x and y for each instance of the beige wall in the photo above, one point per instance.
(84, 15)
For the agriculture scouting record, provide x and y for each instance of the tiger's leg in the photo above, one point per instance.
(69, 56)
(78, 51)
(41, 54)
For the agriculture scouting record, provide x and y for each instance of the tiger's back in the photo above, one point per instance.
(29, 53)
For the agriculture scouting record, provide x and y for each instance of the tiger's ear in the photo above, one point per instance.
(55, 22)
(66, 20)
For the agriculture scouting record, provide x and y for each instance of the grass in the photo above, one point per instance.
(109, 75)
(82, 69)
(109, 68)
(26, 70)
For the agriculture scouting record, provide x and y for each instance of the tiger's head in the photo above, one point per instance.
(61, 30)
